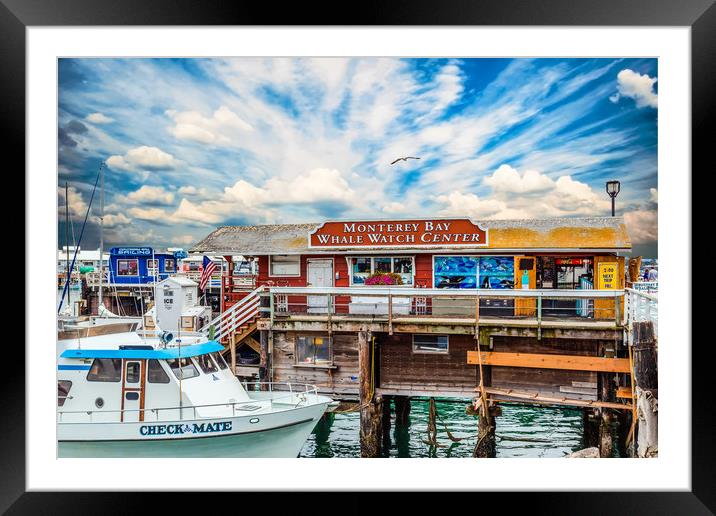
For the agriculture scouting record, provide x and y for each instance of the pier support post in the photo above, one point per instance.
(402, 410)
(647, 389)
(591, 428)
(385, 426)
(486, 446)
(264, 359)
(371, 409)
(607, 388)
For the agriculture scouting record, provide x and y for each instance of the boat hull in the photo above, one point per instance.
(278, 435)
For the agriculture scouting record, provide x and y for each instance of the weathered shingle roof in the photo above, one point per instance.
(555, 233)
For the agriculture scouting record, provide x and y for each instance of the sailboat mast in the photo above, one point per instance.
(101, 234)
(67, 241)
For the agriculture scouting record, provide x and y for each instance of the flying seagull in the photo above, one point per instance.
(406, 158)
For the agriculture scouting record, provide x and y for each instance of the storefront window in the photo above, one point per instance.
(169, 265)
(363, 267)
(455, 272)
(285, 265)
(497, 272)
(314, 351)
(127, 268)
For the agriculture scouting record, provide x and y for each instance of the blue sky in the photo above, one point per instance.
(191, 144)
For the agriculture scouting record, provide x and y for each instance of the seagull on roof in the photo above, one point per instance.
(406, 158)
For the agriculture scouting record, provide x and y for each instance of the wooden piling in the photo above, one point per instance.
(385, 425)
(591, 428)
(485, 446)
(647, 388)
(402, 410)
(371, 409)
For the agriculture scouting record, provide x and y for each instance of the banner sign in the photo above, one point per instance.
(607, 276)
(400, 233)
(131, 251)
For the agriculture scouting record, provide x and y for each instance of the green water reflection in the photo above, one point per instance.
(522, 431)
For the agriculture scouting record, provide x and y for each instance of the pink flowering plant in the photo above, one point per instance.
(384, 278)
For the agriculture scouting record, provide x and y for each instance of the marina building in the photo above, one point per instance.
(380, 311)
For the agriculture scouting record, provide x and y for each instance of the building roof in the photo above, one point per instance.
(595, 233)
(179, 280)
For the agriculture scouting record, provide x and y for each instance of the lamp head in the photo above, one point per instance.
(613, 188)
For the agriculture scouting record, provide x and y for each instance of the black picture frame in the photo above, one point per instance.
(700, 15)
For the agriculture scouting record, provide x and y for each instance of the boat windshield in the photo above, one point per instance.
(219, 360)
(183, 368)
(206, 363)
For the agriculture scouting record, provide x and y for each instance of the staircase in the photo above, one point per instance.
(237, 321)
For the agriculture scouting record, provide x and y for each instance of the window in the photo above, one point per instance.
(127, 268)
(183, 368)
(284, 265)
(219, 361)
(156, 373)
(169, 265)
(363, 267)
(314, 350)
(152, 266)
(187, 321)
(105, 370)
(207, 364)
(132, 372)
(63, 389)
(430, 344)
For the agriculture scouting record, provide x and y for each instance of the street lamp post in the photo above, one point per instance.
(613, 188)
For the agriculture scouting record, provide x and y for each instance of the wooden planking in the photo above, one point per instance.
(400, 366)
(496, 393)
(546, 361)
(624, 392)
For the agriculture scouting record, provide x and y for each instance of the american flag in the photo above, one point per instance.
(209, 268)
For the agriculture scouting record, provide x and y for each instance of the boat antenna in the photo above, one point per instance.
(67, 238)
(101, 234)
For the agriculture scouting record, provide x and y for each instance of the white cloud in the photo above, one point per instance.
(642, 226)
(508, 180)
(77, 205)
(635, 86)
(394, 207)
(113, 220)
(99, 118)
(143, 158)
(150, 195)
(653, 195)
(469, 205)
(150, 214)
(320, 184)
(513, 196)
(222, 128)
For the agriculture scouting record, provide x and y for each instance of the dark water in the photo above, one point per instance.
(522, 431)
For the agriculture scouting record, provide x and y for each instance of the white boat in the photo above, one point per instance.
(122, 395)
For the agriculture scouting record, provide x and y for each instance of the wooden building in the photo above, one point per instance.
(511, 310)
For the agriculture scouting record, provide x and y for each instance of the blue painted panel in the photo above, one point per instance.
(159, 354)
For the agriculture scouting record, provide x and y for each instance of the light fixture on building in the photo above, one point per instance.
(613, 188)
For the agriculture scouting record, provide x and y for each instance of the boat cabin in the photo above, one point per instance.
(131, 380)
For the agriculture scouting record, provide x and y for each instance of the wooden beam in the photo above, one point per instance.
(496, 393)
(625, 392)
(539, 361)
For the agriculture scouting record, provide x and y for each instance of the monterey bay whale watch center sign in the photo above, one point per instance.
(399, 233)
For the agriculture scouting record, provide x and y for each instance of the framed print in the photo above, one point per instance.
(257, 226)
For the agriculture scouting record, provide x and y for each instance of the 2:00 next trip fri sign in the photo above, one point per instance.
(399, 233)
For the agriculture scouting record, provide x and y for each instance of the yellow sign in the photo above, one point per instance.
(607, 276)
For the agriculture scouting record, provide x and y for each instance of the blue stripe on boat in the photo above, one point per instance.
(62, 367)
(159, 354)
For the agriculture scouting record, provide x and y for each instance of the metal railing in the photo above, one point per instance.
(641, 307)
(241, 313)
(289, 396)
(389, 303)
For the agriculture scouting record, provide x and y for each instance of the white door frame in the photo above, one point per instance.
(318, 304)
